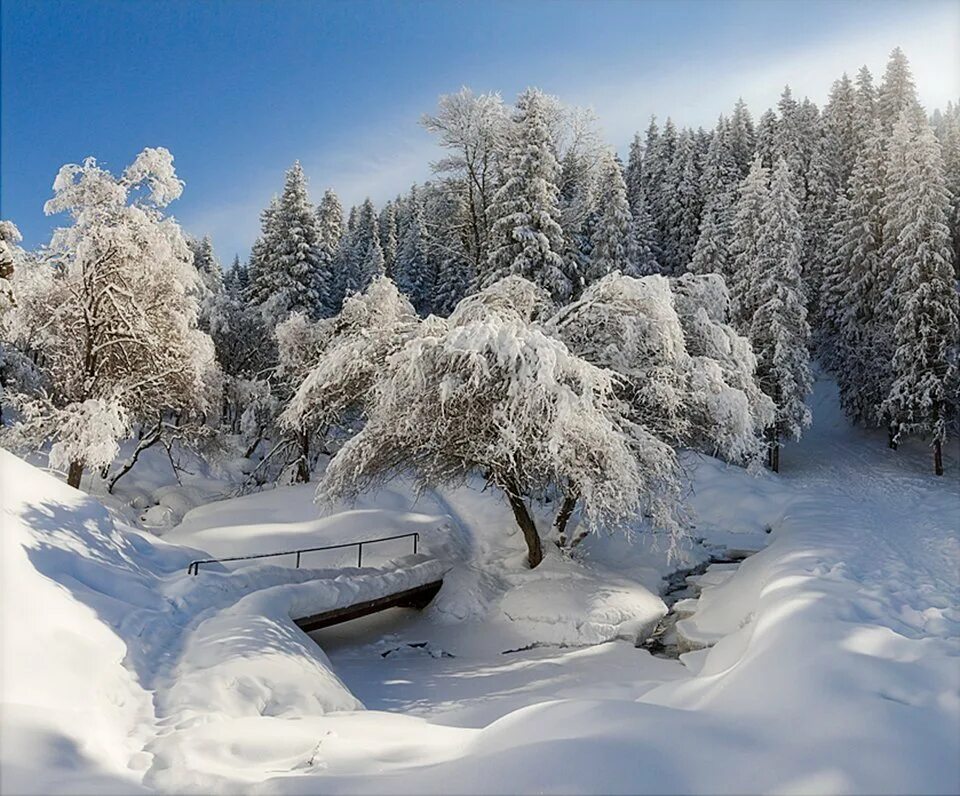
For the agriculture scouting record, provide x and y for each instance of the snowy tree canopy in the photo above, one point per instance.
(116, 315)
(488, 391)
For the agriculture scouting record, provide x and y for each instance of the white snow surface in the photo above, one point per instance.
(831, 661)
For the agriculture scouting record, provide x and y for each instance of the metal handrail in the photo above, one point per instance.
(194, 567)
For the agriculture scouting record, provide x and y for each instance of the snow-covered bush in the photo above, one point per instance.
(489, 391)
(113, 312)
(355, 346)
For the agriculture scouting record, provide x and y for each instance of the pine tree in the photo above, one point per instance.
(686, 206)
(745, 230)
(897, 92)
(923, 296)
(662, 175)
(950, 142)
(742, 137)
(865, 102)
(291, 274)
(389, 239)
(206, 262)
(718, 185)
(527, 237)
(415, 272)
(330, 228)
(779, 331)
(367, 252)
(634, 172)
(643, 240)
(852, 289)
(787, 140)
(610, 237)
(767, 133)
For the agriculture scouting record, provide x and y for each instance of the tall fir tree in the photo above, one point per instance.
(718, 186)
(923, 295)
(743, 137)
(767, 136)
(414, 272)
(527, 237)
(897, 92)
(852, 288)
(745, 229)
(611, 234)
(291, 273)
(779, 331)
(330, 227)
(389, 240)
(367, 251)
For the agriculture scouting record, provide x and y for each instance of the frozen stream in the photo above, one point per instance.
(470, 675)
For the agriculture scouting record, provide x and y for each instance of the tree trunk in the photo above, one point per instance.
(527, 525)
(938, 457)
(773, 454)
(303, 463)
(563, 517)
(75, 473)
(891, 438)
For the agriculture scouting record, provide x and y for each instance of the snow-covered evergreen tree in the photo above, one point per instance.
(897, 92)
(527, 239)
(923, 294)
(610, 237)
(779, 331)
(330, 229)
(686, 205)
(743, 139)
(206, 263)
(291, 274)
(718, 185)
(415, 273)
(389, 240)
(852, 287)
(745, 229)
(767, 138)
(363, 255)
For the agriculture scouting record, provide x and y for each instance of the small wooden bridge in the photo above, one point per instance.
(418, 596)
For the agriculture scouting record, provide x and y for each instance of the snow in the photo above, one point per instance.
(832, 664)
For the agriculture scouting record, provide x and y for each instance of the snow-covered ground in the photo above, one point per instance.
(832, 661)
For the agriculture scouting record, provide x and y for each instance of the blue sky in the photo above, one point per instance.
(238, 90)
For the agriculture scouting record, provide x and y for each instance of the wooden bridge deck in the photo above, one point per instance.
(418, 597)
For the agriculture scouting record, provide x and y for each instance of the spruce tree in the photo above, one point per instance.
(745, 230)
(923, 295)
(367, 251)
(686, 206)
(897, 92)
(852, 288)
(527, 237)
(779, 331)
(610, 237)
(330, 227)
(414, 274)
(767, 134)
(742, 137)
(388, 236)
(290, 272)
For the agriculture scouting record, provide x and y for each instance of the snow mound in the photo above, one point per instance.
(563, 603)
(73, 714)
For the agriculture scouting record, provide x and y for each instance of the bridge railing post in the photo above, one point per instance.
(360, 554)
(298, 558)
(416, 542)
